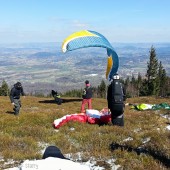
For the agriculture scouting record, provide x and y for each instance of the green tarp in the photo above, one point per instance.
(144, 106)
(161, 106)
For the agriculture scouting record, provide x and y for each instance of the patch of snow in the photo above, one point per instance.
(168, 127)
(9, 162)
(145, 140)
(51, 164)
(128, 139)
(112, 164)
(61, 164)
(72, 129)
(137, 130)
(75, 162)
(42, 145)
(166, 116)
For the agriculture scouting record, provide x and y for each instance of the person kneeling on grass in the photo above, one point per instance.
(57, 97)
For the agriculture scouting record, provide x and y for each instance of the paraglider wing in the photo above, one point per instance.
(86, 38)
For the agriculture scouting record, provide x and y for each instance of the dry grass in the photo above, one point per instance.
(21, 136)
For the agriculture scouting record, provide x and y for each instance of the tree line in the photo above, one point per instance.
(154, 83)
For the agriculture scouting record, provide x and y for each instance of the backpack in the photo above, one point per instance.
(117, 92)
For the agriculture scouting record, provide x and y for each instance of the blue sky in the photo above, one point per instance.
(54, 20)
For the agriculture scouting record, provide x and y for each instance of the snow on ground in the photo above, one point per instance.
(75, 162)
(166, 116)
(61, 164)
(168, 127)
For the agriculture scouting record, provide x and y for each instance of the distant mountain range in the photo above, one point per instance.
(42, 66)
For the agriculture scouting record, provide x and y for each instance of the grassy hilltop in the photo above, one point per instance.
(25, 136)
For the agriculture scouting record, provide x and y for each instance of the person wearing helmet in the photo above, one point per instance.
(116, 97)
(15, 93)
(87, 97)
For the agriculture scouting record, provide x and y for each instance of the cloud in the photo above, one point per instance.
(78, 24)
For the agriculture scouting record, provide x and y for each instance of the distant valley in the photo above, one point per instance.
(42, 66)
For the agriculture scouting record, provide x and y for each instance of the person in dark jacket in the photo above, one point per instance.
(15, 94)
(116, 95)
(87, 97)
(57, 97)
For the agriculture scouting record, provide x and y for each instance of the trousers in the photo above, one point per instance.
(17, 106)
(117, 114)
(84, 102)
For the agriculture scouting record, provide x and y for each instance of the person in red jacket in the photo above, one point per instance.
(87, 97)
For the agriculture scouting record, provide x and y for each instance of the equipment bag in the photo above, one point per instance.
(117, 92)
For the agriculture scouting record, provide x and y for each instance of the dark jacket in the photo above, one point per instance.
(87, 93)
(16, 92)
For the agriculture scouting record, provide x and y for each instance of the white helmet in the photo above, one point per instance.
(115, 77)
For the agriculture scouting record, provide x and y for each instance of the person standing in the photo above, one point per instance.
(15, 94)
(116, 95)
(87, 97)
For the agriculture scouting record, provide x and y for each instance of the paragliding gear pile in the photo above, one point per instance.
(87, 38)
(90, 116)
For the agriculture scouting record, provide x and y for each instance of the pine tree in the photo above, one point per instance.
(4, 89)
(144, 88)
(127, 85)
(139, 84)
(168, 86)
(152, 73)
(102, 89)
(133, 86)
(163, 88)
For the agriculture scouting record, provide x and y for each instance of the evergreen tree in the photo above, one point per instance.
(127, 81)
(127, 85)
(152, 73)
(139, 84)
(4, 89)
(168, 86)
(144, 88)
(102, 89)
(133, 86)
(162, 81)
(160, 72)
